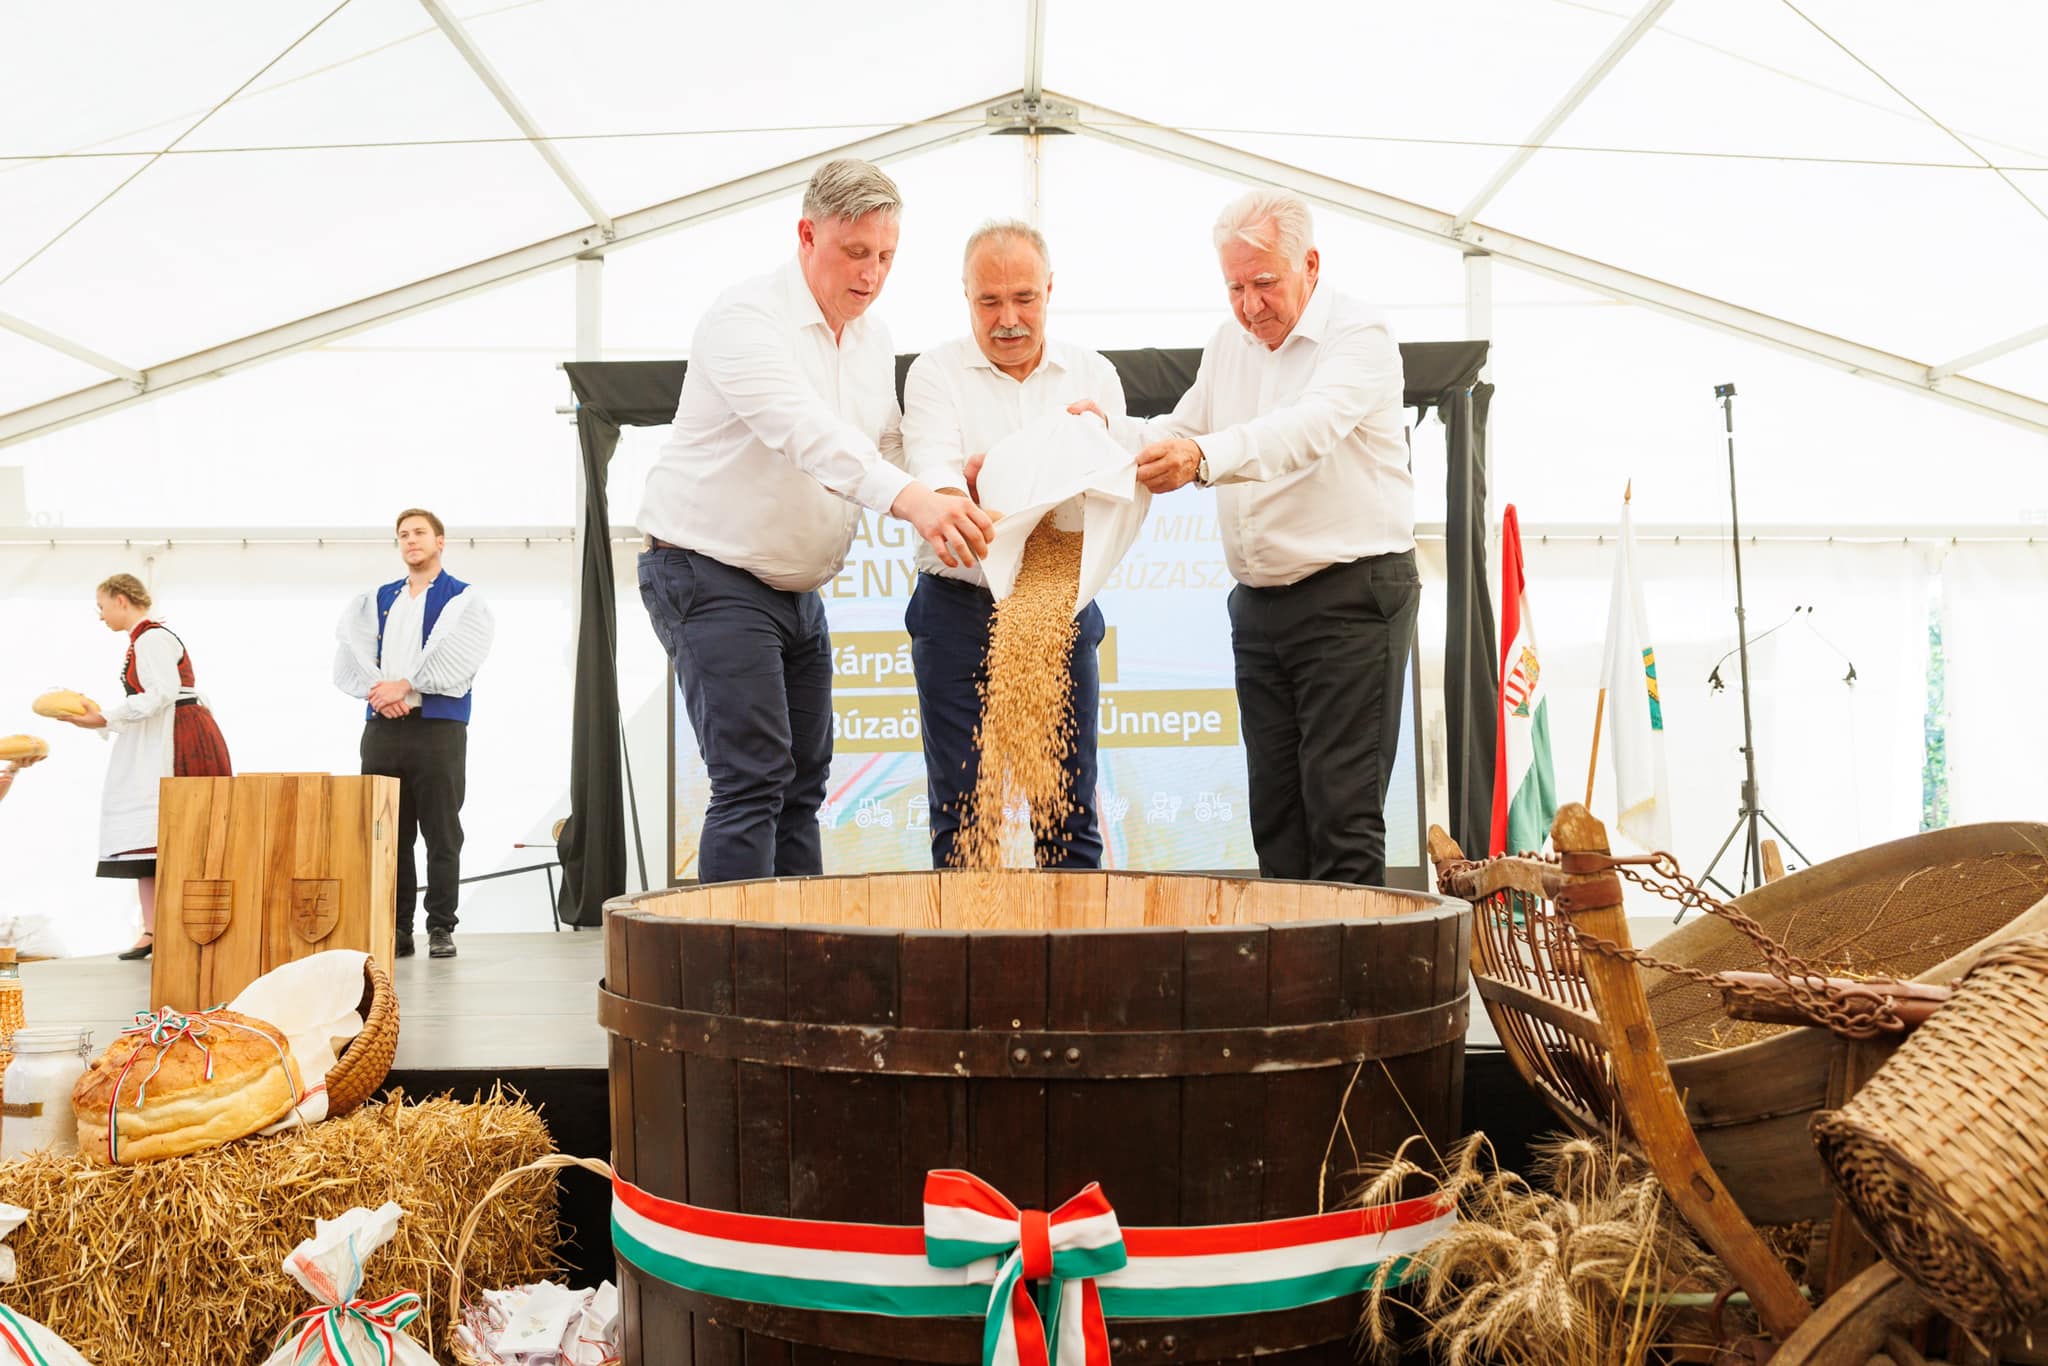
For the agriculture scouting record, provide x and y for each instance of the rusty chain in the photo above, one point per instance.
(1863, 1015)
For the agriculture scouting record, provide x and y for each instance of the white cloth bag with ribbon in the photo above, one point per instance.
(22, 1339)
(1037, 468)
(343, 1328)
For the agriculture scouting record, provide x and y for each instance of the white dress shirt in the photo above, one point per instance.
(782, 435)
(1307, 445)
(956, 403)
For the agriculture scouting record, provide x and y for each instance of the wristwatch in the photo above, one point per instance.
(1202, 469)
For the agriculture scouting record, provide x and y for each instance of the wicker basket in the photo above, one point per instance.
(1944, 1153)
(366, 1061)
(456, 1298)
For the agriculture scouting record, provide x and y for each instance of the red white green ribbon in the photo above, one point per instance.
(161, 1029)
(317, 1336)
(14, 1337)
(967, 1221)
(911, 1272)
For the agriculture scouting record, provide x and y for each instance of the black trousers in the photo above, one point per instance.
(755, 666)
(428, 757)
(949, 623)
(1322, 669)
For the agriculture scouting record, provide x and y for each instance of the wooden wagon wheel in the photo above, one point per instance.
(1853, 1324)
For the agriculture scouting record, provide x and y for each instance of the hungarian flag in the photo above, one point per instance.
(1635, 712)
(1524, 786)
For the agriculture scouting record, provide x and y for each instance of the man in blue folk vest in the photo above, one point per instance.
(411, 649)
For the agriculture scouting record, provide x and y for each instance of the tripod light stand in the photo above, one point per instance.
(1752, 812)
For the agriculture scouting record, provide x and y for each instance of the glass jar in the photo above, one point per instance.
(11, 1017)
(35, 1092)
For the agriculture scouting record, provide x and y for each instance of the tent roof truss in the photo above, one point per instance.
(1457, 231)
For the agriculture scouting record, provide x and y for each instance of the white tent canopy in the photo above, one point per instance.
(270, 270)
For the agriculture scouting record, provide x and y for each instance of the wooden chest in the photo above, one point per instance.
(264, 868)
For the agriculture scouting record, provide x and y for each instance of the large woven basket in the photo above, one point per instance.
(366, 1061)
(1944, 1153)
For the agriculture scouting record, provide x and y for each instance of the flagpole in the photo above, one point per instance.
(1593, 764)
(1600, 707)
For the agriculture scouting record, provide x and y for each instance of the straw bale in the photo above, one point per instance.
(179, 1262)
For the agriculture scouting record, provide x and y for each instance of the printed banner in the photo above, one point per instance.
(1172, 789)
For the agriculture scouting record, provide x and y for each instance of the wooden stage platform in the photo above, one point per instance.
(505, 1003)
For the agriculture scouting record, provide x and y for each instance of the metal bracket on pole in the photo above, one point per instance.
(1028, 114)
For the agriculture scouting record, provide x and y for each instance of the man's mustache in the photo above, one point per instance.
(1009, 333)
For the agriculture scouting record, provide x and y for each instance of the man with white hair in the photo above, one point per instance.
(787, 427)
(960, 400)
(1295, 418)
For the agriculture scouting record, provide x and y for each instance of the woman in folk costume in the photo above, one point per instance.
(162, 728)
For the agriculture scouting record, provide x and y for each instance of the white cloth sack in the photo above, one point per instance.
(1040, 466)
(55, 1350)
(313, 1001)
(329, 1265)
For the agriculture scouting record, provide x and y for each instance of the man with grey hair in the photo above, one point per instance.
(787, 427)
(1295, 419)
(960, 400)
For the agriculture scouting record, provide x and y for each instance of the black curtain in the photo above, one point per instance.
(1471, 652)
(615, 394)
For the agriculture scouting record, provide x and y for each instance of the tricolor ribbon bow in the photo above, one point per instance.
(966, 1220)
(317, 1339)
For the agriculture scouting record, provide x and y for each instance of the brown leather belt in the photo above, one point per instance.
(656, 543)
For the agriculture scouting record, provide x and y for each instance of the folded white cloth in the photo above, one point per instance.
(313, 1000)
(546, 1325)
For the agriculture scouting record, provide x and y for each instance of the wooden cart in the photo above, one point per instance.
(1553, 964)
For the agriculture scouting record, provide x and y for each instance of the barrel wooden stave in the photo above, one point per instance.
(775, 1139)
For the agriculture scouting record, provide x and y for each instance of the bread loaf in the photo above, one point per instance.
(13, 747)
(62, 702)
(166, 1105)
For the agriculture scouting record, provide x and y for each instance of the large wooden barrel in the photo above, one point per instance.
(812, 1047)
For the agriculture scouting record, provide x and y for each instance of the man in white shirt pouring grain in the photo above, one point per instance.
(787, 427)
(959, 400)
(1295, 418)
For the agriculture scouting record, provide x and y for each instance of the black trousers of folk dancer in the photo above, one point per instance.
(429, 758)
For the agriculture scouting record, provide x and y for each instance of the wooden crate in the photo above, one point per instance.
(257, 870)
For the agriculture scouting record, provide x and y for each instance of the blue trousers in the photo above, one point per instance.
(755, 665)
(949, 625)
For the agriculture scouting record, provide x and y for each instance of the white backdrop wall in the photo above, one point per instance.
(1992, 598)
